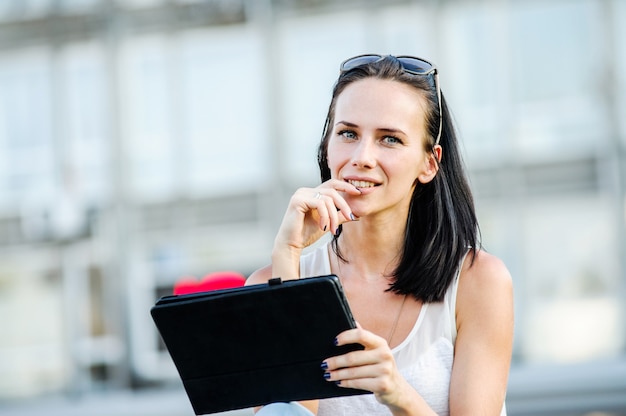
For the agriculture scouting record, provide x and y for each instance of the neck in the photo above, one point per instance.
(372, 248)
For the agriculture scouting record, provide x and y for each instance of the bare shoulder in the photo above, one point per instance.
(482, 271)
(485, 287)
(261, 275)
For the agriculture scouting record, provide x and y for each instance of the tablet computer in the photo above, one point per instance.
(258, 344)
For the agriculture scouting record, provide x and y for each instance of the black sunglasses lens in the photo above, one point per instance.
(415, 65)
(358, 61)
(410, 64)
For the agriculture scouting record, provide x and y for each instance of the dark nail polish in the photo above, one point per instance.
(327, 376)
(336, 341)
(324, 366)
(338, 382)
(352, 217)
(325, 228)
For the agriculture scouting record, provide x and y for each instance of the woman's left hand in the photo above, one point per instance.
(373, 369)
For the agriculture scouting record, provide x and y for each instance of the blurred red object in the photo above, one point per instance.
(212, 281)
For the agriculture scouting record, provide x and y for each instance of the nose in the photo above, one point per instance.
(364, 155)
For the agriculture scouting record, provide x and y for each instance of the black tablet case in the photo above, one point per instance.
(258, 344)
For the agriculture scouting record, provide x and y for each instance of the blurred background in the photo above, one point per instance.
(142, 141)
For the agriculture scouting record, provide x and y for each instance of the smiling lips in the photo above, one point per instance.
(361, 184)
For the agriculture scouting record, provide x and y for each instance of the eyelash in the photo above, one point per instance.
(345, 132)
(395, 140)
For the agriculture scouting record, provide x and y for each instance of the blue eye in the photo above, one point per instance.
(391, 140)
(348, 134)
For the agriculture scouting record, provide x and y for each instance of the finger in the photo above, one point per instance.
(336, 210)
(337, 219)
(352, 359)
(375, 350)
(370, 384)
(333, 221)
(382, 386)
(320, 204)
(324, 205)
(368, 339)
(354, 373)
(341, 186)
(339, 210)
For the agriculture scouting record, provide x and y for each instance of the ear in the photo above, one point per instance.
(431, 165)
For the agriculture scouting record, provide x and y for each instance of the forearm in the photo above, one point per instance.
(418, 408)
(286, 262)
(410, 403)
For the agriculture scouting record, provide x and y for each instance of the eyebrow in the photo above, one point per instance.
(346, 123)
(383, 129)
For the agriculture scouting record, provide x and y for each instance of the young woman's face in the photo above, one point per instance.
(377, 144)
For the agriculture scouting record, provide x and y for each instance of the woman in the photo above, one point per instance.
(435, 312)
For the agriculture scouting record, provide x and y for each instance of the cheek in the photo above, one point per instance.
(408, 169)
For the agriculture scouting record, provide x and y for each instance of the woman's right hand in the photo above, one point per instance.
(311, 213)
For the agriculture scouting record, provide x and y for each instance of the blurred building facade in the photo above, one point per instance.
(146, 140)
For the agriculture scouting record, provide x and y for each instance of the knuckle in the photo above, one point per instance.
(386, 355)
(349, 360)
(385, 387)
(378, 386)
(386, 371)
(343, 374)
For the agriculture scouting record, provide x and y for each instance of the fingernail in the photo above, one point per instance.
(338, 382)
(324, 365)
(327, 376)
(325, 228)
(352, 217)
(336, 341)
(337, 231)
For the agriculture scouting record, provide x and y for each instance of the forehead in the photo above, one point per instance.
(377, 103)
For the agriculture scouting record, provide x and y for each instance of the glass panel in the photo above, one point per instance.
(557, 77)
(36, 8)
(471, 35)
(32, 358)
(541, 29)
(139, 3)
(566, 289)
(8, 9)
(404, 30)
(619, 56)
(80, 5)
(225, 113)
(147, 111)
(88, 136)
(571, 300)
(474, 75)
(27, 169)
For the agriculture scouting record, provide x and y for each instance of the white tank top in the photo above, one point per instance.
(424, 358)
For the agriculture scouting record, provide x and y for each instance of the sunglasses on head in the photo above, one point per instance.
(410, 64)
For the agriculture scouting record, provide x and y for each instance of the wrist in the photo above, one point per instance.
(286, 262)
(408, 402)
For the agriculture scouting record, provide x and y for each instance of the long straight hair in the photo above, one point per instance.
(441, 226)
